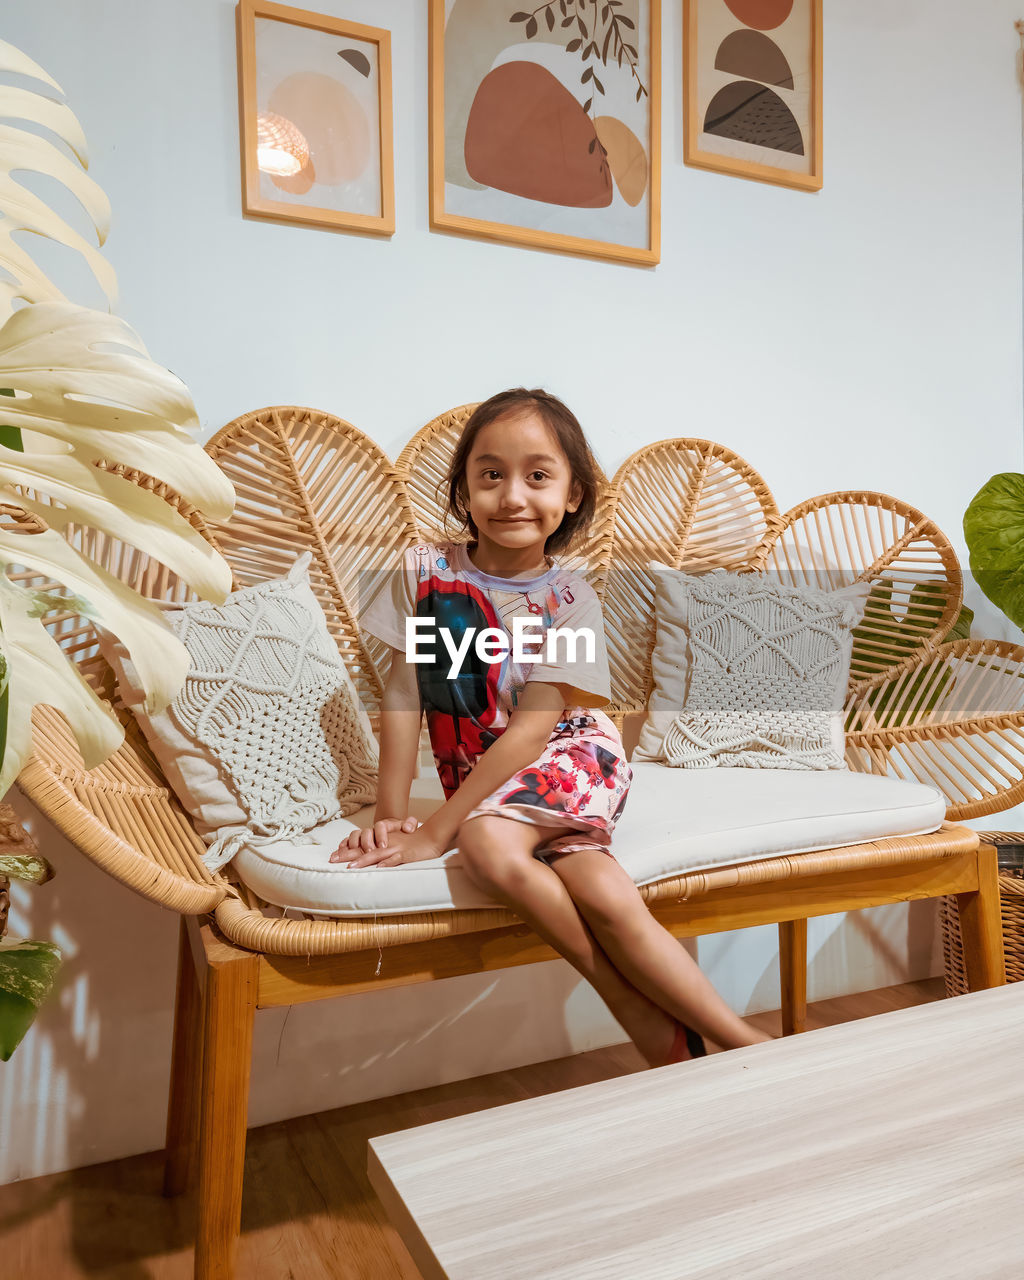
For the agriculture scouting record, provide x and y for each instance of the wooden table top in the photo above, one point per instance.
(890, 1148)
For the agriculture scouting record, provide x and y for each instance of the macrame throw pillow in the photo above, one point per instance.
(670, 670)
(764, 671)
(267, 738)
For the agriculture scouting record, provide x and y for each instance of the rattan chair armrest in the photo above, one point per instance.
(122, 815)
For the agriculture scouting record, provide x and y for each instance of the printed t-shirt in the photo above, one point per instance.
(465, 714)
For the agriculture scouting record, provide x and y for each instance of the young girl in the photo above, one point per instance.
(534, 775)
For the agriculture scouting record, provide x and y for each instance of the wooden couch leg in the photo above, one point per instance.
(186, 1065)
(981, 926)
(793, 974)
(229, 1011)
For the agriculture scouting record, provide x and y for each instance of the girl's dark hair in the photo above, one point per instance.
(566, 429)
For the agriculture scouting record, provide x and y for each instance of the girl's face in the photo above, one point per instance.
(518, 486)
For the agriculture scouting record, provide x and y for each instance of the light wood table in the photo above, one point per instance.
(891, 1148)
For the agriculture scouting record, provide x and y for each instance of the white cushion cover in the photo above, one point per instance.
(268, 735)
(675, 821)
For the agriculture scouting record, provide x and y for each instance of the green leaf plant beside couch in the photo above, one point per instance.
(994, 532)
(28, 967)
(92, 433)
(932, 734)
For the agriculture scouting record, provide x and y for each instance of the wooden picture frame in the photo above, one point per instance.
(545, 127)
(315, 119)
(753, 69)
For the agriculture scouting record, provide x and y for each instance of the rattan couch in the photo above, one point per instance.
(947, 714)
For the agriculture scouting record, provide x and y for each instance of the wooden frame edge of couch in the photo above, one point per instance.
(241, 920)
(970, 875)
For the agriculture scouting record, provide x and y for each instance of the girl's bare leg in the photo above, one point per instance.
(497, 855)
(645, 952)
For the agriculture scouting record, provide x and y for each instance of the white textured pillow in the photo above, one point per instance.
(749, 672)
(669, 664)
(268, 737)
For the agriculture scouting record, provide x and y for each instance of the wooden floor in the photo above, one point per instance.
(308, 1211)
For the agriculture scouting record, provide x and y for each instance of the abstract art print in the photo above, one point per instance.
(315, 104)
(544, 124)
(753, 89)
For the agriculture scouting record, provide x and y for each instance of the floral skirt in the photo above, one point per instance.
(580, 782)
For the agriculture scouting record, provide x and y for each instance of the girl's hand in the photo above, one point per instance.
(403, 846)
(375, 837)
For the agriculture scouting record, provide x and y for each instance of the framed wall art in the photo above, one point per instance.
(545, 124)
(315, 108)
(753, 89)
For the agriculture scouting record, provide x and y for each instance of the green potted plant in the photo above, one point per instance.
(994, 531)
(86, 411)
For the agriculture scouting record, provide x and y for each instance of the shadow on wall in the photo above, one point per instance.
(337, 1053)
(79, 1089)
(87, 1082)
(882, 946)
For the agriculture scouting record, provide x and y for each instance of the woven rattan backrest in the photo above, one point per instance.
(305, 480)
(423, 465)
(841, 538)
(953, 719)
(689, 504)
(696, 505)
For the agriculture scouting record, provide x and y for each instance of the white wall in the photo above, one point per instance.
(868, 336)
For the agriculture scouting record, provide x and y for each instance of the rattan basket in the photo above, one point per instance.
(1011, 908)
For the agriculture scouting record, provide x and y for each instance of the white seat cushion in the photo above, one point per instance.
(675, 821)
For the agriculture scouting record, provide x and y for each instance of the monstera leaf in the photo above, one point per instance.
(23, 210)
(70, 392)
(994, 530)
(84, 404)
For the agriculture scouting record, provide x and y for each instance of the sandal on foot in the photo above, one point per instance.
(686, 1045)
